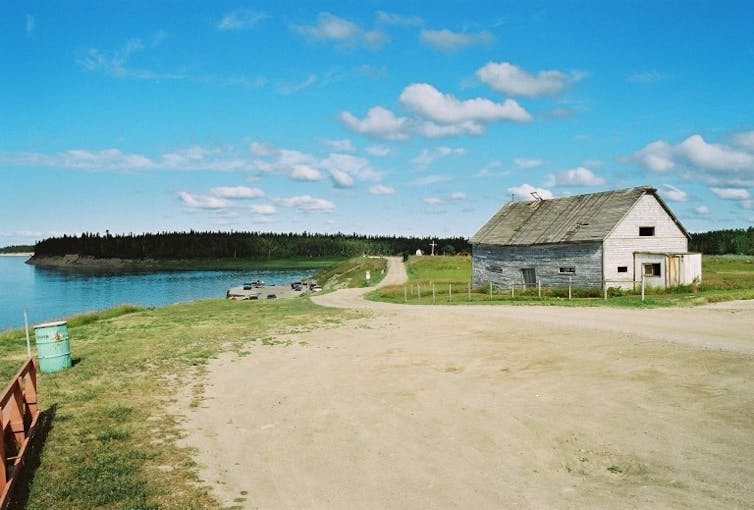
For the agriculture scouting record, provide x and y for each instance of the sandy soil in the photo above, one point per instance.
(487, 407)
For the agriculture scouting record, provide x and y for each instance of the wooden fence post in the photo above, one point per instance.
(433, 293)
(539, 287)
(570, 279)
(450, 293)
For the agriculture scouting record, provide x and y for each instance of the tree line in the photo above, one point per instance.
(258, 245)
(721, 242)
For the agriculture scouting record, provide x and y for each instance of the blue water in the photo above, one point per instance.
(50, 294)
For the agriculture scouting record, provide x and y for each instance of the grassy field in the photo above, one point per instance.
(104, 436)
(446, 280)
(352, 273)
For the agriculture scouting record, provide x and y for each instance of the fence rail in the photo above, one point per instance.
(18, 417)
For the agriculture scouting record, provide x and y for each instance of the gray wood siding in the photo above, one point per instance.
(502, 265)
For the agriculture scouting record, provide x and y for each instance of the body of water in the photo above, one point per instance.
(50, 294)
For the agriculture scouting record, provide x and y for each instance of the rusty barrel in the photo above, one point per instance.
(53, 348)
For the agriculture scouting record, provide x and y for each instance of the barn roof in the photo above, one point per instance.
(578, 218)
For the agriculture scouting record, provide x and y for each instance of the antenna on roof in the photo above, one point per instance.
(535, 195)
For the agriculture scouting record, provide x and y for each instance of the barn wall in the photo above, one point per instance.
(502, 265)
(624, 240)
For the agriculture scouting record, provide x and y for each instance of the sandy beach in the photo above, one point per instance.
(487, 407)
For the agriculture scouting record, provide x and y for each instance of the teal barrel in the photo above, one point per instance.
(53, 349)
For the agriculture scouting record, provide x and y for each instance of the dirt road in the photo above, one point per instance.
(488, 407)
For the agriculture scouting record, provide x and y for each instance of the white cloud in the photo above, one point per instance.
(342, 145)
(115, 63)
(744, 139)
(525, 191)
(731, 193)
(433, 200)
(645, 77)
(431, 179)
(428, 156)
(341, 179)
(429, 129)
(240, 19)
(202, 202)
(509, 79)
(305, 173)
(387, 18)
(262, 149)
(341, 31)
(379, 189)
(379, 123)
(528, 162)
(718, 163)
(264, 209)
(447, 40)
(378, 150)
(350, 164)
(702, 210)
(307, 203)
(575, 177)
(237, 192)
(673, 194)
(458, 196)
(428, 102)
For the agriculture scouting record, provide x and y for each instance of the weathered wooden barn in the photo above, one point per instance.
(610, 239)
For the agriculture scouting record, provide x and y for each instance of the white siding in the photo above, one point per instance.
(624, 241)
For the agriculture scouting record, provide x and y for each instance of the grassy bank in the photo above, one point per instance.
(107, 437)
(445, 280)
(352, 273)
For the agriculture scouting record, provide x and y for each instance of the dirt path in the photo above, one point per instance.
(488, 407)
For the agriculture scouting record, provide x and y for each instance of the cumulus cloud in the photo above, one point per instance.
(237, 192)
(307, 203)
(379, 122)
(202, 202)
(351, 165)
(731, 193)
(262, 149)
(431, 179)
(702, 210)
(341, 179)
(429, 156)
(673, 194)
(428, 102)
(388, 18)
(305, 173)
(744, 139)
(580, 176)
(525, 191)
(379, 189)
(378, 150)
(240, 19)
(264, 209)
(458, 196)
(433, 200)
(342, 145)
(718, 163)
(509, 79)
(447, 40)
(331, 28)
(528, 162)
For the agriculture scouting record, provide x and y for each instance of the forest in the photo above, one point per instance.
(257, 245)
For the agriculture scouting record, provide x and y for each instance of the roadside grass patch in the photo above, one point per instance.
(111, 442)
(351, 273)
(445, 280)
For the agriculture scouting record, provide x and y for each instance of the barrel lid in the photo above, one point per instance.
(49, 324)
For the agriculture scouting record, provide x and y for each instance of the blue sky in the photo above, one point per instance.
(418, 118)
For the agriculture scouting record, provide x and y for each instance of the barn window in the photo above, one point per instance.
(623, 269)
(646, 231)
(652, 270)
(568, 270)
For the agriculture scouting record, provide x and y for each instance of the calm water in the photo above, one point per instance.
(49, 294)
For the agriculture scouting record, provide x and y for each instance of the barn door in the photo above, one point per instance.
(530, 276)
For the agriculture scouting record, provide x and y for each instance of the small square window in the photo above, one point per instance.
(568, 270)
(652, 270)
(623, 269)
(646, 231)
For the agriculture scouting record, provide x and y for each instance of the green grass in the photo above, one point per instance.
(725, 278)
(109, 441)
(351, 273)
